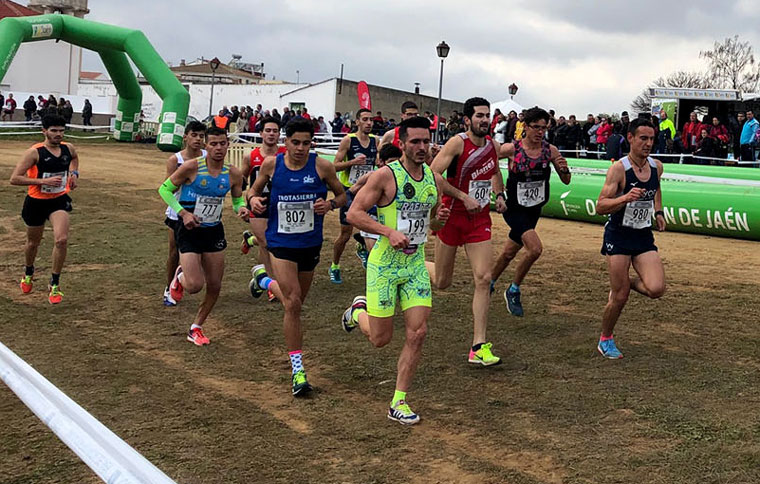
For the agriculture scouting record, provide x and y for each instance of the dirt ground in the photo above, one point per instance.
(680, 408)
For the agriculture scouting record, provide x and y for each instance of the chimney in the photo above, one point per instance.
(182, 62)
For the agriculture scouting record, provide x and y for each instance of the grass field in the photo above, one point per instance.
(680, 408)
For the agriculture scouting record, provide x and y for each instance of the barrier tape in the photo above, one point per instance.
(112, 459)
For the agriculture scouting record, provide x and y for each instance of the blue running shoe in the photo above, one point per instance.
(514, 306)
(335, 276)
(168, 301)
(608, 349)
(401, 413)
(362, 254)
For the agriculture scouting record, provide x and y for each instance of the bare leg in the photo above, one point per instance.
(651, 280)
(620, 288)
(60, 222)
(340, 243)
(289, 283)
(533, 250)
(172, 261)
(192, 277)
(481, 260)
(33, 238)
(213, 268)
(508, 253)
(259, 227)
(416, 329)
(442, 270)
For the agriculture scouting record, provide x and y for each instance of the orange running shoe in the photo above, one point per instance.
(26, 284)
(175, 288)
(55, 296)
(197, 337)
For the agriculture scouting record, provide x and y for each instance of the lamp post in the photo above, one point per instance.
(512, 90)
(443, 52)
(214, 64)
(298, 76)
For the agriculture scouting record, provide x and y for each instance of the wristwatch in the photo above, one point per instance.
(332, 204)
(75, 172)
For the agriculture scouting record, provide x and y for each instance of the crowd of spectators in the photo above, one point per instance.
(35, 109)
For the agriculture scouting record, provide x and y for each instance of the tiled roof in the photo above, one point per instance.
(13, 9)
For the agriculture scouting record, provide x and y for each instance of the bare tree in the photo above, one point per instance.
(694, 80)
(731, 65)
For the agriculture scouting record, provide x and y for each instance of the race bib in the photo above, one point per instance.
(368, 235)
(209, 209)
(530, 194)
(357, 171)
(480, 190)
(59, 189)
(295, 217)
(414, 224)
(638, 214)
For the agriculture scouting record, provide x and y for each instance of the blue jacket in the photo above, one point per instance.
(748, 131)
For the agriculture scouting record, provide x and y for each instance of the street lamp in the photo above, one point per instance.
(214, 64)
(512, 90)
(298, 76)
(443, 52)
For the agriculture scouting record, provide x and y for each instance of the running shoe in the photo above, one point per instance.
(257, 272)
(491, 288)
(362, 254)
(484, 356)
(26, 284)
(401, 413)
(300, 386)
(608, 349)
(168, 301)
(197, 337)
(347, 321)
(249, 240)
(271, 296)
(176, 291)
(514, 306)
(335, 276)
(55, 296)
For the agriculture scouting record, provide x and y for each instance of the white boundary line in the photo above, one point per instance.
(112, 459)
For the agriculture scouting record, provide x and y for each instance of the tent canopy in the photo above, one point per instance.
(506, 106)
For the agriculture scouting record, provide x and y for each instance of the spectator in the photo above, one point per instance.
(337, 124)
(315, 124)
(520, 126)
(667, 134)
(30, 107)
(719, 133)
(574, 135)
(305, 113)
(705, 146)
(234, 115)
(41, 106)
(2, 102)
(378, 124)
(221, 120)
(603, 133)
(592, 138)
(10, 108)
(494, 121)
(736, 126)
(747, 137)
(87, 113)
(346, 128)
(500, 131)
(52, 104)
(511, 126)
(614, 145)
(67, 112)
(242, 121)
(560, 134)
(322, 125)
(624, 123)
(276, 114)
(585, 129)
(551, 132)
(287, 115)
(691, 133)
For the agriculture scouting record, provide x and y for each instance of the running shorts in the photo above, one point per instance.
(36, 210)
(631, 244)
(521, 221)
(306, 258)
(393, 275)
(200, 239)
(463, 228)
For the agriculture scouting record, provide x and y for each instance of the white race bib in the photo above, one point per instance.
(638, 214)
(295, 217)
(530, 194)
(414, 224)
(209, 209)
(480, 190)
(367, 235)
(60, 188)
(357, 171)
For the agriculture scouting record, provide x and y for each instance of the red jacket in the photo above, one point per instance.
(603, 133)
(718, 132)
(690, 134)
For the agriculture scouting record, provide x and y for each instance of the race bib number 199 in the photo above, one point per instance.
(295, 217)
(414, 224)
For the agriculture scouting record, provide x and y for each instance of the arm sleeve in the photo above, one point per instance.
(166, 190)
(238, 203)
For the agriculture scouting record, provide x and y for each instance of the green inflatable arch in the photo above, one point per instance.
(113, 44)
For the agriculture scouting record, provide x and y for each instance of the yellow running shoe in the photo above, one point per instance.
(484, 356)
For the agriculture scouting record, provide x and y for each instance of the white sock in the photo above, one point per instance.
(195, 326)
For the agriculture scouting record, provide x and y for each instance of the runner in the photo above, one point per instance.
(357, 153)
(405, 192)
(364, 240)
(408, 110)
(297, 207)
(195, 140)
(530, 161)
(270, 134)
(630, 196)
(203, 184)
(470, 161)
(50, 170)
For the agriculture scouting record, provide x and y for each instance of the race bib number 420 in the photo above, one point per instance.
(638, 214)
(295, 217)
(480, 190)
(55, 189)
(530, 194)
(414, 224)
(208, 209)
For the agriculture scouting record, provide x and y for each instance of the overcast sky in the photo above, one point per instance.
(573, 56)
